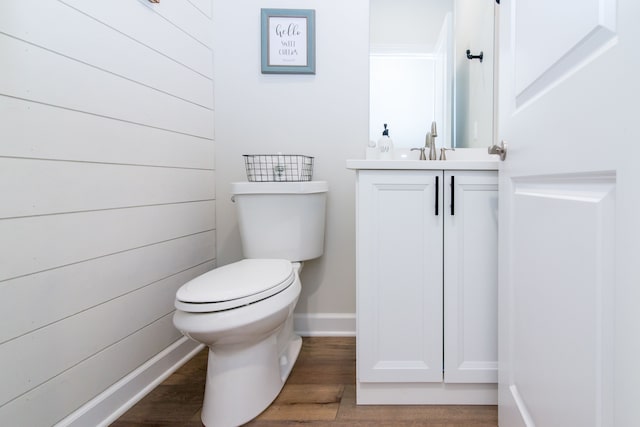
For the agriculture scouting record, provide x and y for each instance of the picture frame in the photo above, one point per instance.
(288, 41)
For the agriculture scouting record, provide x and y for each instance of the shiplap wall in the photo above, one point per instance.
(107, 191)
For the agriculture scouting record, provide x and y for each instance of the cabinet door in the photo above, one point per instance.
(399, 245)
(471, 277)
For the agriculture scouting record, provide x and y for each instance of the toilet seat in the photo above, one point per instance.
(235, 285)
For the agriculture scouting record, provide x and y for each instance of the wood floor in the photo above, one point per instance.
(319, 392)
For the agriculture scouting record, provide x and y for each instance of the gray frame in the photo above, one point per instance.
(288, 41)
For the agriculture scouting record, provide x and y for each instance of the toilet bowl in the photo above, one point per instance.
(246, 327)
(244, 311)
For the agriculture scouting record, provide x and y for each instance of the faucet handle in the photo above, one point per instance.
(422, 155)
(443, 152)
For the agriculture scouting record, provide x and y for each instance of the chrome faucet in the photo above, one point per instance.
(429, 144)
(430, 141)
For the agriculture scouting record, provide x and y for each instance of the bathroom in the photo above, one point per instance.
(116, 179)
(116, 157)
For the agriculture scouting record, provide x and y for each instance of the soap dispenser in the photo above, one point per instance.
(385, 145)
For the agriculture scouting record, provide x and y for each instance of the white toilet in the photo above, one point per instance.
(244, 311)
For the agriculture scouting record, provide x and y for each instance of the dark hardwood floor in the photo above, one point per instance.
(319, 392)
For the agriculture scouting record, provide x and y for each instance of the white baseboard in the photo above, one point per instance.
(426, 394)
(325, 324)
(120, 397)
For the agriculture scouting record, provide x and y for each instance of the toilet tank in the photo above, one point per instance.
(281, 219)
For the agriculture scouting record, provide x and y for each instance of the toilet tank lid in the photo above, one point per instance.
(302, 187)
(246, 279)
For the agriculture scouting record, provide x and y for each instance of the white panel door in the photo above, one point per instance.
(471, 277)
(569, 199)
(399, 244)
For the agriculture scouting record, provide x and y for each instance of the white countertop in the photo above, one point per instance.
(358, 164)
(460, 159)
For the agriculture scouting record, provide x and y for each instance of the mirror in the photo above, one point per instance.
(420, 72)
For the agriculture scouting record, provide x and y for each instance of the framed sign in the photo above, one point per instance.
(288, 41)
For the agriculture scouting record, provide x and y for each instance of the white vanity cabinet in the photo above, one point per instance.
(427, 286)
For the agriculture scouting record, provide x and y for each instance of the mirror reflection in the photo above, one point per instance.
(420, 73)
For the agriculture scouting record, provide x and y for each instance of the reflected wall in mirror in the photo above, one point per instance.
(419, 71)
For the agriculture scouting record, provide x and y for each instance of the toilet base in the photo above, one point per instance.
(288, 359)
(289, 345)
(235, 396)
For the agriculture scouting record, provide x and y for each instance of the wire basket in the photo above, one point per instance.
(278, 167)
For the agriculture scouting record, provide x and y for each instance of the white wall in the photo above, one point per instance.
(108, 191)
(323, 115)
